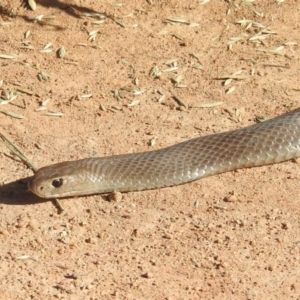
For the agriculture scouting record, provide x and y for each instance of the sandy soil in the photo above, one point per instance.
(231, 236)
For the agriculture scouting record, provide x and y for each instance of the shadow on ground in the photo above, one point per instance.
(74, 10)
(16, 193)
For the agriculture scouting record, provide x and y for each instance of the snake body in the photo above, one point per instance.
(269, 142)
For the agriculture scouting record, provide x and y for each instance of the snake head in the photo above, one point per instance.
(56, 181)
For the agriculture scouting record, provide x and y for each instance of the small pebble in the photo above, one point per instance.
(230, 198)
(33, 224)
(28, 61)
(4, 232)
(148, 275)
(22, 222)
(285, 225)
(56, 226)
(91, 240)
(115, 196)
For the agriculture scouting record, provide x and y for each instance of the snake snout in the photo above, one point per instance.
(32, 186)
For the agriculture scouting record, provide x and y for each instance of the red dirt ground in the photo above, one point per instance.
(231, 236)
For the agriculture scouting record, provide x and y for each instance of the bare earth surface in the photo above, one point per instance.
(231, 236)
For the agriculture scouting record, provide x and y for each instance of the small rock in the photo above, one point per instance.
(148, 275)
(22, 222)
(56, 226)
(285, 225)
(91, 240)
(4, 232)
(33, 224)
(115, 196)
(230, 198)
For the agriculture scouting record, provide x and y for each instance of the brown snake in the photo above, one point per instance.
(265, 143)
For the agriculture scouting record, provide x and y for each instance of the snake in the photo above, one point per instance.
(273, 141)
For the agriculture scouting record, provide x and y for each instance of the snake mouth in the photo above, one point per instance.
(35, 188)
(31, 186)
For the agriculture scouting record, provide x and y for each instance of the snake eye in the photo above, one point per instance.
(57, 182)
